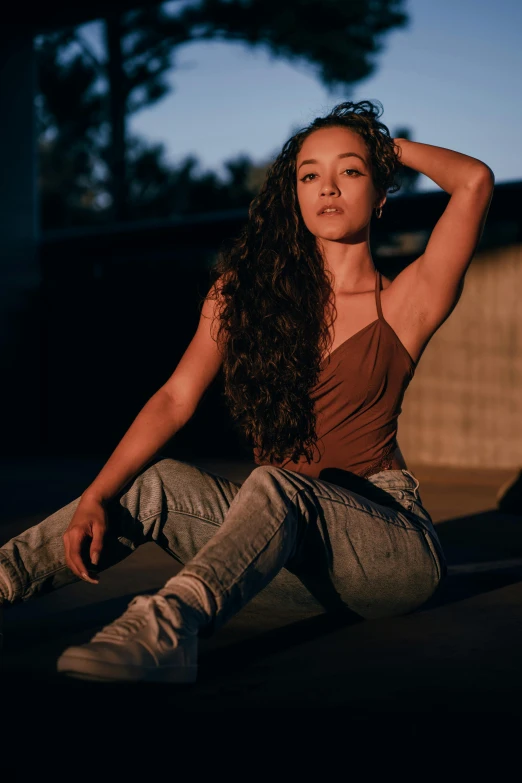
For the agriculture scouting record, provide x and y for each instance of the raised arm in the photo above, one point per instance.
(435, 279)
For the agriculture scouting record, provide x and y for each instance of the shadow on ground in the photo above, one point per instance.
(459, 653)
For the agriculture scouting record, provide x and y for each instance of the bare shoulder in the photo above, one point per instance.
(406, 308)
(410, 296)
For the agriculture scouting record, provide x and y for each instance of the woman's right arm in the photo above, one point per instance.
(156, 423)
(165, 413)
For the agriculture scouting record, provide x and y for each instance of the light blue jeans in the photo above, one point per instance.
(339, 542)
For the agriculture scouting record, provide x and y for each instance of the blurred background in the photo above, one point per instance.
(134, 137)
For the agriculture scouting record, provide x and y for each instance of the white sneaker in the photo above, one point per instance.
(142, 644)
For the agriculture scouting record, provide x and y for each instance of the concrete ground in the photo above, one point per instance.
(458, 658)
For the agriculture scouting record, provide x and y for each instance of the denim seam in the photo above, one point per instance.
(20, 584)
(434, 554)
(367, 511)
(16, 582)
(403, 487)
(45, 575)
(180, 511)
(227, 589)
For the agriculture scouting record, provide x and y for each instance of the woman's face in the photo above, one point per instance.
(335, 190)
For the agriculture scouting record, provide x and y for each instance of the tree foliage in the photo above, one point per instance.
(336, 37)
(85, 151)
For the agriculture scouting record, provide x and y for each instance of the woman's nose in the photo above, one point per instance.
(329, 189)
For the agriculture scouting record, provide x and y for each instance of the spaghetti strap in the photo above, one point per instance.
(378, 295)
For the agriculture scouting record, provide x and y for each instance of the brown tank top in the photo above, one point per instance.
(358, 401)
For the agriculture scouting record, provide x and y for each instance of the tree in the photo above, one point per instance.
(159, 190)
(85, 101)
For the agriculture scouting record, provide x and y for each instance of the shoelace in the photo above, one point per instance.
(135, 617)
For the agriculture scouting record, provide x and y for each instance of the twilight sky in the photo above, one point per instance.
(452, 77)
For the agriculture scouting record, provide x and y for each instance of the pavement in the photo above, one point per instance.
(457, 659)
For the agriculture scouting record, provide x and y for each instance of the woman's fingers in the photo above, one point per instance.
(98, 533)
(83, 539)
(74, 540)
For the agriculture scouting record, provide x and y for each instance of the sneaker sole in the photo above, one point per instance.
(84, 668)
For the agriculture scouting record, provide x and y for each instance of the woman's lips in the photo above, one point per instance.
(330, 214)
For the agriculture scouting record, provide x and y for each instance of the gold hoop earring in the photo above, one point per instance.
(378, 212)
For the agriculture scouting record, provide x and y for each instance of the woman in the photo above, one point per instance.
(317, 349)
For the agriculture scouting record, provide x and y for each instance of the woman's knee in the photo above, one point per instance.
(167, 469)
(157, 486)
(266, 473)
(270, 478)
(153, 477)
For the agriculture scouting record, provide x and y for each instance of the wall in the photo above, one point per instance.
(464, 404)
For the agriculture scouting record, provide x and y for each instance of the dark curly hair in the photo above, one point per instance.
(276, 297)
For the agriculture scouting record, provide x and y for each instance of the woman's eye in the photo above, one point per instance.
(307, 177)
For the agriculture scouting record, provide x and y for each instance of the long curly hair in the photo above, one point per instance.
(276, 297)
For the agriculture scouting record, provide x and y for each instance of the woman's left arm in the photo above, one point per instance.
(447, 168)
(435, 278)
